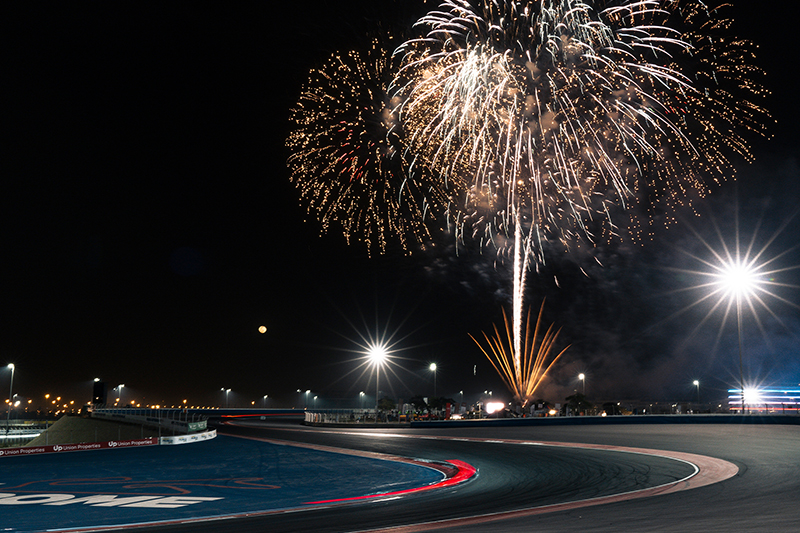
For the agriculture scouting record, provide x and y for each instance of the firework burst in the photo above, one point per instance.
(346, 155)
(554, 114)
(549, 116)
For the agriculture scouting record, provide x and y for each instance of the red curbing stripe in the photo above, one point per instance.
(464, 472)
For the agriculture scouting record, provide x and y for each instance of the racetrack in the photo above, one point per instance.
(514, 480)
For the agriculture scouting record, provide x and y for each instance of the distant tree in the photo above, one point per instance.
(435, 403)
(386, 404)
(440, 402)
(578, 403)
(419, 403)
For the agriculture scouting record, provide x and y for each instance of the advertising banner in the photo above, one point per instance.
(59, 448)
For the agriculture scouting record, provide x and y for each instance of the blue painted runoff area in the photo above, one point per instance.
(219, 477)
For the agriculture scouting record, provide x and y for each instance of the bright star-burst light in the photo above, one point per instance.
(752, 396)
(736, 274)
(376, 351)
(738, 279)
(743, 279)
(377, 354)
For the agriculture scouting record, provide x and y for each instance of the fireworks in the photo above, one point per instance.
(346, 159)
(524, 371)
(554, 114)
(528, 122)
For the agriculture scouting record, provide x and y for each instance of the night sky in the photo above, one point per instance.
(149, 228)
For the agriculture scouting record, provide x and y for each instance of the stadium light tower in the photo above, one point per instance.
(739, 280)
(377, 354)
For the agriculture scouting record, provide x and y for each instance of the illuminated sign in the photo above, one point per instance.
(772, 400)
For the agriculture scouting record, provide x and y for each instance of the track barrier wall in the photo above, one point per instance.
(113, 445)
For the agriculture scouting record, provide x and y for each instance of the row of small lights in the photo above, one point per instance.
(581, 377)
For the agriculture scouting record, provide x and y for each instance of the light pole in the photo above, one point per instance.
(265, 399)
(119, 393)
(94, 390)
(10, 396)
(739, 279)
(377, 355)
(361, 399)
(741, 357)
(582, 378)
(696, 383)
(226, 391)
(432, 368)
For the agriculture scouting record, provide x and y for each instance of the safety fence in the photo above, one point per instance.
(351, 416)
(18, 433)
(173, 420)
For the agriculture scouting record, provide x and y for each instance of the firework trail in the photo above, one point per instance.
(549, 116)
(346, 155)
(522, 375)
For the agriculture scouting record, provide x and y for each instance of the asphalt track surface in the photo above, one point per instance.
(519, 487)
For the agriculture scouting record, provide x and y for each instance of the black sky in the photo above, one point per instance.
(149, 228)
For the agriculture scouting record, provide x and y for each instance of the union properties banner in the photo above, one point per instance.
(59, 448)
